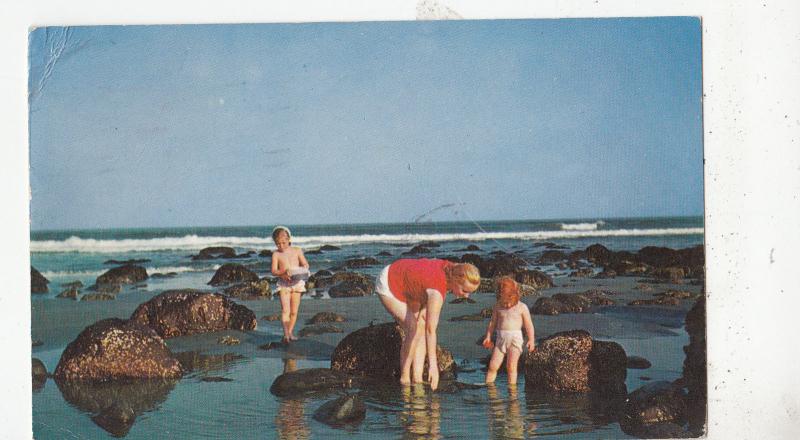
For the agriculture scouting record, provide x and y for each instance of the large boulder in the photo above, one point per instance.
(597, 253)
(694, 367)
(345, 284)
(324, 317)
(561, 303)
(573, 362)
(38, 281)
(551, 256)
(230, 273)
(346, 410)
(214, 252)
(250, 290)
(374, 352)
(127, 274)
(310, 380)
(534, 278)
(650, 407)
(114, 349)
(185, 312)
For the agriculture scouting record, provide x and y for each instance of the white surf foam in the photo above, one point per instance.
(194, 242)
(582, 226)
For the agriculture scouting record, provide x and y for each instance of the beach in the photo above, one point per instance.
(225, 392)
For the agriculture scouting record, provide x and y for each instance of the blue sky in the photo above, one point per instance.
(203, 125)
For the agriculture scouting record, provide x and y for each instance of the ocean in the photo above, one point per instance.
(244, 408)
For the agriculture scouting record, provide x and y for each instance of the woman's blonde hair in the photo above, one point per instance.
(461, 272)
(508, 294)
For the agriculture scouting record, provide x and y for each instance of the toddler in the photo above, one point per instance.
(509, 316)
(291, 267)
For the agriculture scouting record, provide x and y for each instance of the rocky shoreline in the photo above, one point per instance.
(603, 295)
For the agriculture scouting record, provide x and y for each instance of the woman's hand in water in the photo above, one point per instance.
(433, 376)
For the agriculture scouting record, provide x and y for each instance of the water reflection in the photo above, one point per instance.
(421, 415)
(505, 415)
(195, 361)
(570, 413)
(290, 419)
(114, 406)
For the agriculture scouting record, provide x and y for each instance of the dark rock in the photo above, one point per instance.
(100, 296)
(375, 352)
(463, 300)
(230, 273)
(185, 312)
(228, 340)
(346, 410)
(310, 380)
(573, 362)
(550, 257)
(131, 261)
(127, 274)
(72, 284)
(597, 253)
(534, 278)
(470, 248)
(114, 349)
(606, 273)
(265, 253)
(384, 254)
(272, 345)
(38, 373)
(164, 275)
(38, 281)
(677, 294)
(115, 405)
(644, 287)
(575, 256)
(346, 284)
(474, 317)
(111, 289)
(582, 273)
(276, 317)
(214, 252)
(361, 262)
(638, 363)
(328, 247)
(216, 379)
(318, 329)
(570, 302)
(250, 290)
(70, 293)
(417, 250)
(653, 404)
(694, 367)
(671, 274)
(660, 301)
(486, 313)
(323, 317)
(313, 252)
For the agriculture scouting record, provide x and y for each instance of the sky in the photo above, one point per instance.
(216, 125)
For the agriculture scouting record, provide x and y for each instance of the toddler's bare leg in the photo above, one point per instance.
(286, 309)
(511, 365)
(295, 306)
(494, 365)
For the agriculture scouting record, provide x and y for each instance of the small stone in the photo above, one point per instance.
(228, 340)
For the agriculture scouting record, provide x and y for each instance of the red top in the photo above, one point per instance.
(409, 278)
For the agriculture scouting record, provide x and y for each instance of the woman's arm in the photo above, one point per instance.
(433, 309)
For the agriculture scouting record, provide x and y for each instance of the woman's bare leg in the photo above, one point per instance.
(410, 343)
(418, 361)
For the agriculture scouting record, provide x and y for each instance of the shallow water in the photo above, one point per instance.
(236, 403)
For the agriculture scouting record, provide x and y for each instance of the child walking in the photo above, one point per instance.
(291, 267)
(509, 317)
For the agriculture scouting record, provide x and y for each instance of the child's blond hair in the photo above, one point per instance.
(508, 294)
(461, 272)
